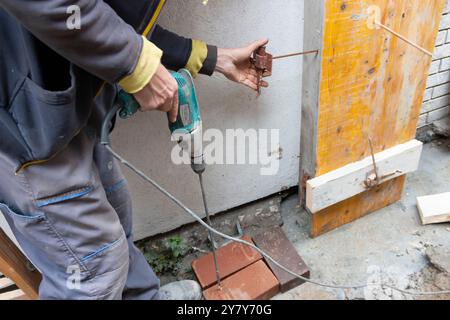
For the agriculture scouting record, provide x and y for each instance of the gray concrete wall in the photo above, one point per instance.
(145, 140)
(437, 96)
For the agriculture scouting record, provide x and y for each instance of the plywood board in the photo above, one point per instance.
(372, 83)
(435, 208)
(348, 181)
(371, 87)
(357, 207)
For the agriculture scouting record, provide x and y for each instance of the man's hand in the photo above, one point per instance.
(236, 65)
(161, 93)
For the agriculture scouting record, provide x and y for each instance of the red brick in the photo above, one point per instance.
(255, 282)
(231, 258)
(277, 245)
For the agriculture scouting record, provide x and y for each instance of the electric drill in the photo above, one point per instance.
(186, 130)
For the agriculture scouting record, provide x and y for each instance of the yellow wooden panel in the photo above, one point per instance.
(372, 82)
(372, 86)
(357, 207)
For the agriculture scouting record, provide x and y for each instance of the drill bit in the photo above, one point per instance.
(208, 219)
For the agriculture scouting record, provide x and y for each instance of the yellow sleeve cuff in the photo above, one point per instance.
(146, 67)
(198, 55)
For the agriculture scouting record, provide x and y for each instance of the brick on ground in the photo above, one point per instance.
(231, 258)
(275, 242)
(255, 282)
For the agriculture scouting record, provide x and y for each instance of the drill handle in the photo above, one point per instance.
(128, 104)
(107, 122)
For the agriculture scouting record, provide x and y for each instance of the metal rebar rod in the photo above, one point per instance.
(295, 54)
(374, 161)
(415, 45)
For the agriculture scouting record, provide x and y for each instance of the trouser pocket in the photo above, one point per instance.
(84, 219)
(36, 229)
(75, 227)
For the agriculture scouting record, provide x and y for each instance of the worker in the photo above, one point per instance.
(61, 192)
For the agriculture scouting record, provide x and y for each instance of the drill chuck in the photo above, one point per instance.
(198, 168)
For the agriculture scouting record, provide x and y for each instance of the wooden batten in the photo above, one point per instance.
(435, 208)
(13, 295)
(343, 183)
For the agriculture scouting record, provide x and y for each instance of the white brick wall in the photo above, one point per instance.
(437, 96)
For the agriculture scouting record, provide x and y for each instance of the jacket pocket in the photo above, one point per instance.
(52, 98)
(48, 120)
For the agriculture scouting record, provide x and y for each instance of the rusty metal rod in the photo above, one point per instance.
(295, 54)
(415, 45)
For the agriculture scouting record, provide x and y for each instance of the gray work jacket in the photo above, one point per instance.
(50, 74)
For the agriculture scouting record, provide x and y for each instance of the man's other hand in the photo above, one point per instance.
(161, 93)
(236, 64)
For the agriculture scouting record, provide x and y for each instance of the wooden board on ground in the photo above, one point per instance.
(343, 183)
(368, 84)
(13, 264)
(435, 208)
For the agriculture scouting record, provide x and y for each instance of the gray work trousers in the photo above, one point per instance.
(72, 215)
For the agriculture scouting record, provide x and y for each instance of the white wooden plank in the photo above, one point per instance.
(346, 182)
(435, 208)
(5, 283)
(13, 295)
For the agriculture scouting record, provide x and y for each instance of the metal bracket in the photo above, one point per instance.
(262, 62)
(373, 179)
